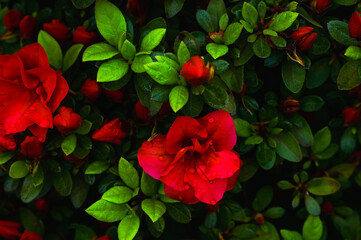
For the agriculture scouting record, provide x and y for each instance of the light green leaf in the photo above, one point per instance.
(106, 211)
(71, 55)
(112, 70)
(178, 97)
(283, 21)
(99, 51)
(128, 227)
(216, 50)
(128, 173)
(162, 73)
(19, 169)
(52, 49)
(152, 39)
(153, 208)
(118, 194)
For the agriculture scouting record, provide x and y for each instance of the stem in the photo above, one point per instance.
(131, 209)
(3, 168)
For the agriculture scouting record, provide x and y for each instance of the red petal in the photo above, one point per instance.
(232, 180)
(186, 196)
(222, 164)
(39, 132)
(175, 175)
(354, 25)
(10, 68)
(59, 93)
(39, 114)
(48, 78)
(31, 236)
(33, 56)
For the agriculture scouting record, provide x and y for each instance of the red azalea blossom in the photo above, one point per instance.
(67, 120)
(195, 160)
(105, 237)
(165, 109)
(57, 30)
(195, 72)
(354, 26)
(29, 26)
(116, 96)
(12, 19)
(31, 236)
(31, 147)
(304, 38)
(110, 132)
(10, 230)
(327, 208)
(81, 35)
(30, 91)
(142, 112)
(42, 205)
(321, 5)
(7, 142)
(351, 115)
(91, 89)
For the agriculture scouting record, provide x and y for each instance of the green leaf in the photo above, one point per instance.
(243, 232)
(168, 61)
(348, 76)
(52, 49)
(278, 41)
(215, 96)
(288, 147)
(183, 54)
(106, 211)
(284, 185)
(283, 21)
(110, 21)
(28, 191)
(82, 3)
(30, 221)
(353, 52)
(148, 185)
(348, 141)
(253, 140)
(223, 22)
(312, 206)
(261, 48)
(328, 153)
(128, 173)
(322, 140)
(234, 78)
(319, 73)
(139, 62)
(153, 208)
(69, 144)
(178, 97)
(84, 128)
(6, 156)
(172, 7)
(179, 212)
(118, 194)
(128, 227)
(19, 169)
(290, 235)
(311, 103)
(266, 157)
(339, 31)
(269, 32)
(152, 39)
(307, 16)
(79, 192)
(63, 182)
(263, 198)
(160, 93)
(194, 106)
(323, 186)
(162, 73)
(232, 33)
(216, 8)
(112, 70)
(97, 167)
(346, 2)
(216, 50)
(71, 55)
(243, 128)
(302, 131)
(274, 212)
(249, 13)
(205, 21)
(37, 175)
(128, 50)
(293, 75)
(312, 228)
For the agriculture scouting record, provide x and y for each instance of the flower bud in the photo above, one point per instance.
(110, 132)
(195, 72)
(259, 218)
(290, 105)
(354, 26)
(12, 19)
(327, 208)
(142, 112)
(31, 236)
(57, 30)
(91, 89)
(81, 35)
(351, 115)
(67, 120)
(304, 38)
(32, 147)
(29, 26)
(10, 230)
(42, 205)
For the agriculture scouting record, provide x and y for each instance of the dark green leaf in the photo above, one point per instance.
(312, 206)
(63, 182)
(28, 191)
(261, 48)
(179, 212)
(263, 198)
(339, 31)
(293, 75)
(266, 157)
(288, 147)
(172, 7)
(348, 76)
(215, 96)
(311, 103)
(322, 140)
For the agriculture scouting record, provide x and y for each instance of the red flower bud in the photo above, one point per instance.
(116, 96)
(327, 208)
(304, 38)
(29, 26)
(42, 205)
(91, 89)
(290, 105)
(31, 236)
(165, 109)
(67, 121)
(31, 147)
(351, 115)
(110, 132)
(10, 230)
(105, 237)
(139, 9)
(195, 72)
(12, 19)
(321, 5)
(354, 26)
(57, 30)
(142, 112)
(81, 35)
(355, 92)
(259, 218)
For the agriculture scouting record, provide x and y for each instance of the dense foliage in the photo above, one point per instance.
(179, 119)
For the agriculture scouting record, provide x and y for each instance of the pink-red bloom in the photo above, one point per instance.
(195, 160)
(12, 19)
(91, 89)
(354, 26)
(195, 72)
(31, 147)
(351, 115)
(110, 132)
(81, 35)
(67, 120)
(304, 37)
(7, 142)
(30, 91)
(31, 236)
(10, 230)
(57, 30)
(29, 26)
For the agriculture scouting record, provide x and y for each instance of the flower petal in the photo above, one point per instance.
(222, 164)
(59, 93)
(186, 196)
(33, 56)
(232, 180)
(175, 177)
(39, 114)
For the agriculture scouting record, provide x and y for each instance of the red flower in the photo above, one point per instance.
(110, 132)
(67, 120)
(29, 26)
(10, 230)
(165, 109)
(116, 96)
(139, 9)
(304, 38)
(195, 160)
(31, 236)
(290, 105)
(12, 19)
(195, 72)
(142, 112)
(81, 35)
(327, 208)
(57, 30)
(321, 5)
(354, 26)
(31, 147)
(7, 142)
(105, 237)
(91, 89)
(42, 205)
(30, 91)
(351, 116)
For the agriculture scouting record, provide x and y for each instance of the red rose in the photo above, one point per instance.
(116, 96)
(31, 236)
(290, 105)
(81, 35)
(91, 89)
(195, 72)
(57, 30)
(67, 120)
(31, 147)
(304, 38)
(7, 142)
(30, 91)
(29, 26)
(142, 112)
(351, 116)
(12, 19)
(354, 26)
(195, 160)
(110, 132)
(42, 205)
(321, 5)
(105, 237)
(10, 230)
